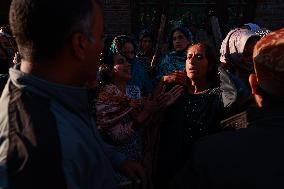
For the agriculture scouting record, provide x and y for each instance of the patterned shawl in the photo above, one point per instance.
(113, 111)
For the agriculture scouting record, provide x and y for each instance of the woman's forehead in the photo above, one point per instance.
(178, 33)
(196, 49)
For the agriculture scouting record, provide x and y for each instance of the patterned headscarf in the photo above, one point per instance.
(268, 59)
(118, 43)
(233, 45)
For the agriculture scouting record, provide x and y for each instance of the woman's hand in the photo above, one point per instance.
(179, 78)
(160, 101)
(168, 98)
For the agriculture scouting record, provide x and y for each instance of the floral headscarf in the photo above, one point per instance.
(118, 43)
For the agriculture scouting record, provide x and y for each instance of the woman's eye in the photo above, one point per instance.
(199, 57)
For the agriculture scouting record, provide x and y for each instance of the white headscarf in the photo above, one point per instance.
(233, 45)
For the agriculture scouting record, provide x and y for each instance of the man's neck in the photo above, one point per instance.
(51, 71)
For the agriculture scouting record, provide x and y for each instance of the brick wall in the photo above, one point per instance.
(117, 17)
(270, 14)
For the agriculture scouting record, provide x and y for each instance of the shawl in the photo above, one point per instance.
(113, 112)
(233, 45)
(174, 61)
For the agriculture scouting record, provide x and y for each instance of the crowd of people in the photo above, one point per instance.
(74, 117)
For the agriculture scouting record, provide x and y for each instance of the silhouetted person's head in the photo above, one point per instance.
(61, 31)
(268, 81)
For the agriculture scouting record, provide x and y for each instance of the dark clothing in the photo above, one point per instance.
(32, 149)
(145, 59)
(48, 138)
(191, 117)
(248, 158)
(3, 81)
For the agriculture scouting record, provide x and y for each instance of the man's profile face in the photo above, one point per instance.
(96, 47)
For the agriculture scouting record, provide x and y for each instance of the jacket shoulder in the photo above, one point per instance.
(34, 153)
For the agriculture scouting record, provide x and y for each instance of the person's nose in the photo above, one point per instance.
(191, 60)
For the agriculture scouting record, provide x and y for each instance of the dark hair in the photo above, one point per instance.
(42, 27)
(184, 31)
(145, 33)
(213, 63)
(269, 98)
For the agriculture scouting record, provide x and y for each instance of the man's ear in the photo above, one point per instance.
(253, 84)
(79, 45)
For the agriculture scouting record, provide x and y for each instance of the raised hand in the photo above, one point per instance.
(179, 78)
(168, 98)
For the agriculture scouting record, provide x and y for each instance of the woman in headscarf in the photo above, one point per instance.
(126, 46)
(123, 116)
(180, 39)
(198, 112)
(146, 50)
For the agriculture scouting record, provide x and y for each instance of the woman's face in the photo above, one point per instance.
(146, 44)
(180, 42)
(128, 50)
(196, 62)
(121, 68)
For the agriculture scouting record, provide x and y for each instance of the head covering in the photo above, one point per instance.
(268, 59)
(118, 43)
(256, 29)
(233, 45)
(253, 27)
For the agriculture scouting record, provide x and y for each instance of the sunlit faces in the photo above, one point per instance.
(180, 42)
(121, 68)
(196, 62)
(146, 44)
(128, 50)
